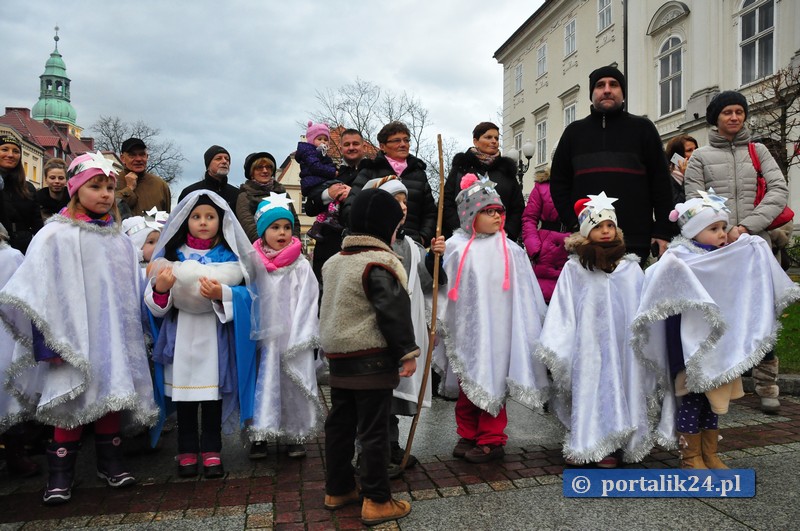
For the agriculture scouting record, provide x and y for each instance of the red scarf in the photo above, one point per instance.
(273, 259)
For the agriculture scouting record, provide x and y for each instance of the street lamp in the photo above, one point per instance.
(528, 149)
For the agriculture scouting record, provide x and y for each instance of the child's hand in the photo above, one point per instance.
(437, 245)
(210, 289)
(408, 368)
(165, 280)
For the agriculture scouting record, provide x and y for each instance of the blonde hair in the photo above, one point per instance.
(72, 206)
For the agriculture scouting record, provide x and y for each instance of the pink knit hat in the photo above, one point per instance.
(86, 167)
(314, 130)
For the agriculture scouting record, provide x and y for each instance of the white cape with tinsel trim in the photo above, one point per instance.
(408, 388)
(80, 286)
(490, 334)
(602, 389)
(730, 300)
(11, 411)
(287, 403)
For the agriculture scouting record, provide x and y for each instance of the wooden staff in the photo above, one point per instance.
(432, 333)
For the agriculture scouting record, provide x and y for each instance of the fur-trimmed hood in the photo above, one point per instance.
(574, 240)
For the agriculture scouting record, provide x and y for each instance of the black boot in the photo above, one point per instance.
(61, 463)
(109, 461)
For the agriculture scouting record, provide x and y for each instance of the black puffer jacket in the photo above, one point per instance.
(421, 218)
(23, 216)
(503, 171)
(219, 186)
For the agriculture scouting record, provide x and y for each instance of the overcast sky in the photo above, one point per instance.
(242, 74)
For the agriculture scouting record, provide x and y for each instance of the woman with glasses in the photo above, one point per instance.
(484, 159)
(259, 170)
(394, 140)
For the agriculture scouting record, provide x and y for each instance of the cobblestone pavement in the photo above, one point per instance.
(284, 493)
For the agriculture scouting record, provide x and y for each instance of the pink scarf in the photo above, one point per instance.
(399, 166)
(273, 259)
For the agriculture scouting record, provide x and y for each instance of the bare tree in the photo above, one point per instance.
(365, 106)
(164, 156)
(776, 115)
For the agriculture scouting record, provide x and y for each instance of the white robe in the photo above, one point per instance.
(287, 403)
(11, 411)
(729, 300)
(602, 389)
(490, 333)
(79, 284)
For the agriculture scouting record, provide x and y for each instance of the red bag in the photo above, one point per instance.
(761, 190)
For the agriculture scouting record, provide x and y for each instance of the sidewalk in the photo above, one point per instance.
(520, 492)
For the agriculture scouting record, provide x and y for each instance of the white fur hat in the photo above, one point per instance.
(593, 210)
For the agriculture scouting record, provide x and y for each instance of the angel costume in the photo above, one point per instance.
(90, 318)
(723, 331)
(287, 403)
(11, 411)
(204, 352)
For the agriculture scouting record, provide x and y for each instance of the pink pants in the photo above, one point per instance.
(108, 424)
(477, 425)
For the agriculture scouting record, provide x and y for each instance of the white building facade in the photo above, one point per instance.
(675, 55)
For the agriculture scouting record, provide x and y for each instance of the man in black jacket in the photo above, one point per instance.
(218, 164)
(620, 154)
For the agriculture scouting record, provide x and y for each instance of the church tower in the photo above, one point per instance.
(54, 94)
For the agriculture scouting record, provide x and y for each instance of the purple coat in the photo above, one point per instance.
(545, 247)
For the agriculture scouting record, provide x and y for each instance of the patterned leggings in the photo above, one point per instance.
(694, 414)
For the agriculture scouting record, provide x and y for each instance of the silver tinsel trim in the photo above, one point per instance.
(110, 230)
(530, 397)
(309, 344)
(601, 449)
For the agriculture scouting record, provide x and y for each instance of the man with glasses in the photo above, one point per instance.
(140, 190)
(395, 158)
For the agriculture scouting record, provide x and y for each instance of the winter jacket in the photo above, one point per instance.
(49, 206)
(151, 191)
(314, 204)
(315, 168)
(365, 324)
(219, 186)
(422, 212)
(620, 154)
(250, 195)
(23, 215)
(727, 168)
(503, 171)
(545, 244)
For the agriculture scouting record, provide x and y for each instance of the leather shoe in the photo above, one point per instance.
(373, 513)
(483, 453)
(337, 502)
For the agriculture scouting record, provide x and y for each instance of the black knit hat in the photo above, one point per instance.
(212, 152)
(607, 71)
(377, 213)
(722, 100)
(252, 157)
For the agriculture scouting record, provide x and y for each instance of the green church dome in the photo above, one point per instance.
(54, 96)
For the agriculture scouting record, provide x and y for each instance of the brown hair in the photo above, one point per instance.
(72, 206)
(392, 128)
(53, 164)
(482, 127)
(676, 145)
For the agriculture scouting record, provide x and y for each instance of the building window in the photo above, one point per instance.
(541, 142)
(541, 60)
(569, 38)
(518, 141)
(758, 28)
(603, 14)
(518, 79)
(569, 114)
(670, 78)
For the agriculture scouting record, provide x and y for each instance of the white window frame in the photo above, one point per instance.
(667, 54)
(518, 141)
(541, 141)
(518, 72)
(570, 38)
(757, 41)
(603, 15)
(541, 60)
(570, 113)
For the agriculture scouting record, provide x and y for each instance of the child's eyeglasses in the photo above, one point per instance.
(493, 211)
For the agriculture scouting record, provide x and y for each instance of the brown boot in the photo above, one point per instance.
(765, 377)
(691, 454)
(337, 502)
(373, 513)
(709, 440)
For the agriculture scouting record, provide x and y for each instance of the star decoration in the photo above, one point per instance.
(275, 201)
(486, 182)
(711, 199)
(601, 202)
(100, 162)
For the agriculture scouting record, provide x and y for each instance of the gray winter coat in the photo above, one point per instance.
(727, 168)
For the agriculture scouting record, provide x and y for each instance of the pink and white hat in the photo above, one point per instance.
(86, 167)
(314, 130)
